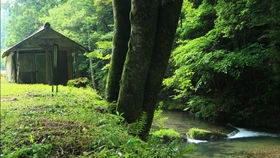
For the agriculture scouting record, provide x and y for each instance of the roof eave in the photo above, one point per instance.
(46, 27)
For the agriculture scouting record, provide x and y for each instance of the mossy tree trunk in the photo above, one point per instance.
(143, 18)
(120, 46)
(153, 27)
(167, 23)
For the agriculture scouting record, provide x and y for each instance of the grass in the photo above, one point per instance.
(71, 123)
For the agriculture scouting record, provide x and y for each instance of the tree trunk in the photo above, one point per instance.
(143, 18)
(92, 74)
(167, 23)
(120, 46)
(90, 64)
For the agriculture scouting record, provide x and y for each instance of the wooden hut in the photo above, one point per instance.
(46, 56)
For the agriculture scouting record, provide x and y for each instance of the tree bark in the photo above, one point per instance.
(153, 25)
(120, 47)
(143, 18)
(167, 23)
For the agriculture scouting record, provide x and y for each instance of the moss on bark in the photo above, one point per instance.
(166, 28)
(143, 18)
(120, 46)
(153, 26)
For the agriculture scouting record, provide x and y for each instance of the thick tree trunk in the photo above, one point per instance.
(143, 18)
(167, 23)
(120, 46)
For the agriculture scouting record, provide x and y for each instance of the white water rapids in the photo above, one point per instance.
(239, 133)
(244, 133)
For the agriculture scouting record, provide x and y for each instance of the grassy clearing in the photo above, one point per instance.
(71, 123)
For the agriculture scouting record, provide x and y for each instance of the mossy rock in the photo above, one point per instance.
(202, 134)
(167, 134)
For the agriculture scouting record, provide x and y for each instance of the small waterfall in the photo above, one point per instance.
(242, 133)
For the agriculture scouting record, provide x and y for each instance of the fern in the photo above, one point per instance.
(137, 127)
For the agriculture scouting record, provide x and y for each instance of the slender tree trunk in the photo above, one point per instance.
(92, 74)
(167, 23)
(120, 46)
(143, 18)
(90, 64)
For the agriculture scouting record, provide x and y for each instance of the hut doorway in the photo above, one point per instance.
(40, 68)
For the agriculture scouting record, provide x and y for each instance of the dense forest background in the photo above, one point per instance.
(225, 65)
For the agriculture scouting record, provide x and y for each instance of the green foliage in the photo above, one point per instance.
(158, 119)
(82, 21)
(78, 82)
(24, 18)
(203, 107)
(101, 57)
(137, 127)
(225, 61)
(35, 151)
(196, 21)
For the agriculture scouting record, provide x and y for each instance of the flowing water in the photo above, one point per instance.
(241, 143)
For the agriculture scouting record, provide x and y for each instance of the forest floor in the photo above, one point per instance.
(71, 123)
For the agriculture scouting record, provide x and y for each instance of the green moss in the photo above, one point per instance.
(166, 134)
(195, 133)
(202, 134)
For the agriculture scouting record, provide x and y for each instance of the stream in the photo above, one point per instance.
(241, 143)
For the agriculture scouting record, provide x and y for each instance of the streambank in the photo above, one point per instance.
(240, 142)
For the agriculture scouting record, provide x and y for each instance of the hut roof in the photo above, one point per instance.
(44, 35)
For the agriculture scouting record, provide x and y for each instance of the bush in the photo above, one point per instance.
(78, 82)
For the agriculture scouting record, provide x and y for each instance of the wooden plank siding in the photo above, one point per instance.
(40, 46)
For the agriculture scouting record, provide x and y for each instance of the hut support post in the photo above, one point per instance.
(74, 65)
(70, 65)
(55, 66)
(46, 66)
(17, 67)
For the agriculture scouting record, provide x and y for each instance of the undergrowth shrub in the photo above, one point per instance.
(78, 82)
(35, 151)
